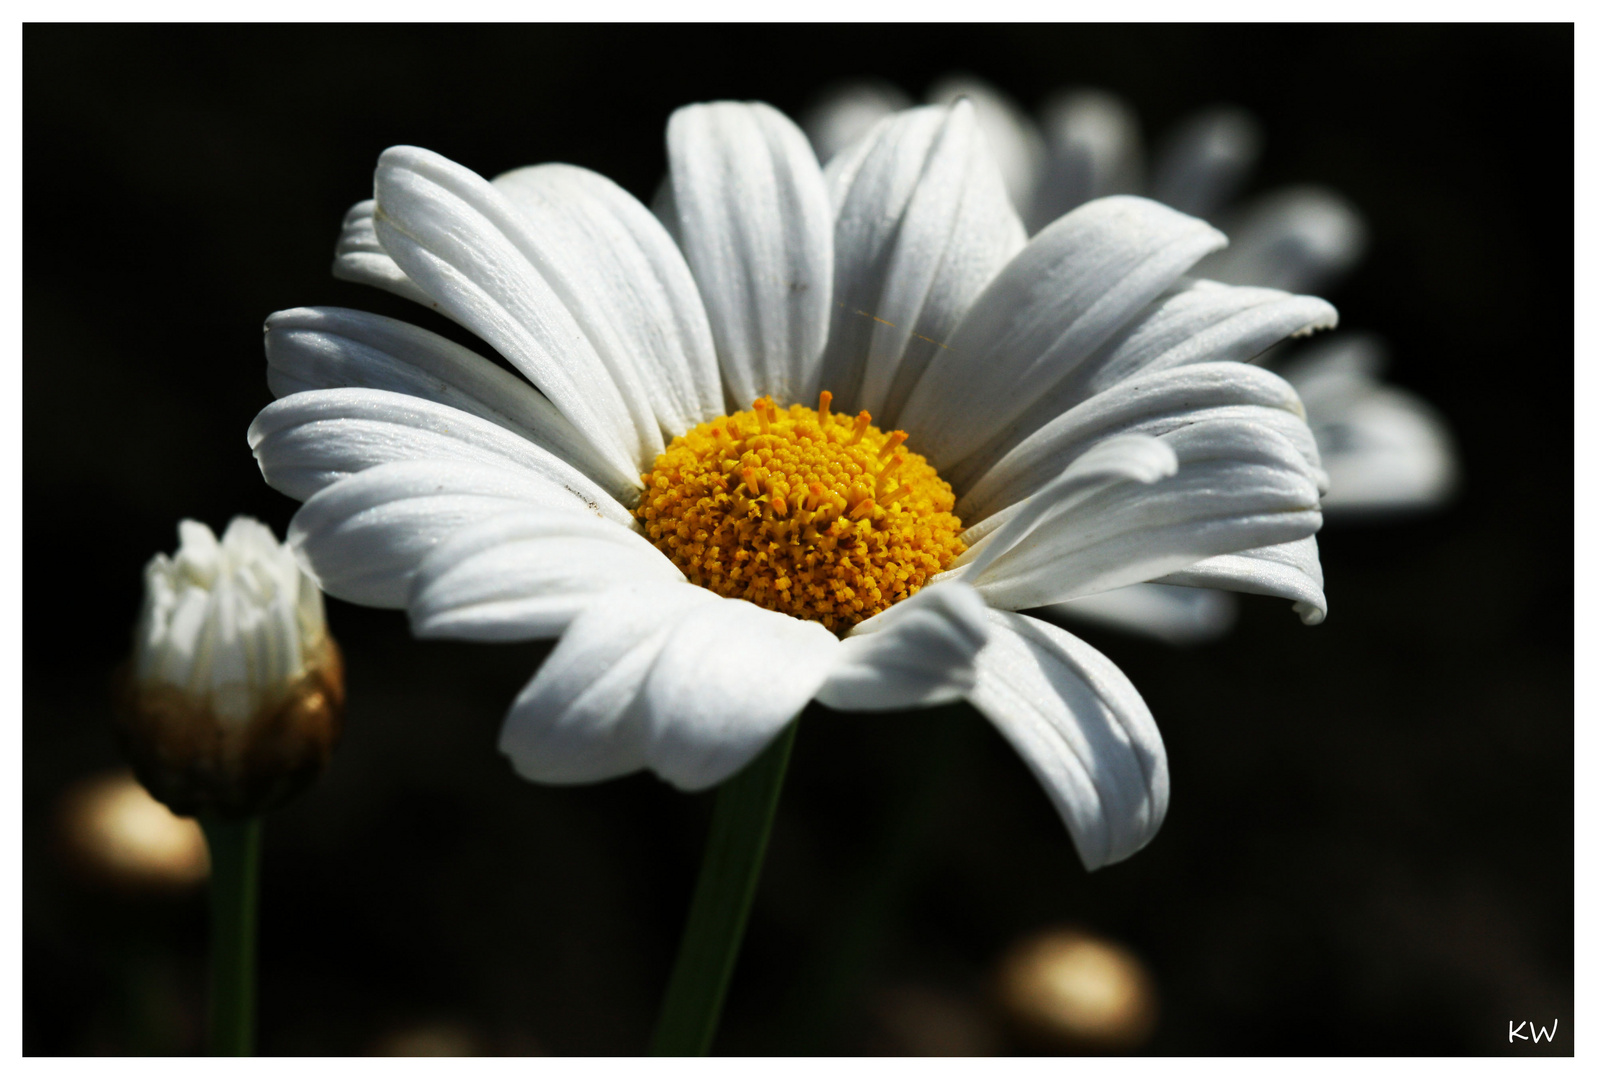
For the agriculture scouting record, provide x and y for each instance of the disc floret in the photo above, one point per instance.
(815, 514)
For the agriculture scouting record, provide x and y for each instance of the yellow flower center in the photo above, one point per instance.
(815, 514)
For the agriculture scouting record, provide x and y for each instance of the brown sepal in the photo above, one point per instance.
(197, 765)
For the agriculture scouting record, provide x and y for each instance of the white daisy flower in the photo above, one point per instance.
(233, 700)
(801, 436)
(1385, 450)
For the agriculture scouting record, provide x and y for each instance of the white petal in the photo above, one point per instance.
(1240, 486)
(624, 279)
(664, 208)
(328, 348)
(1074, 285)
(1201, 322)
(1300, 239)
(1206, 160)
(307, 441)
(1385, 450)
(1009, 132)
(841, 170)
(919, 652)
(752, 216)
(1167, 613)
(1136, 459)
(1094, 149)
(1148, 404)
(1083, 730)
(459, 239)
(923, 224)
(1290, 570)
(580, 718)
(667, 677)
(728, 680)
(526, 574)
(359, 257)
(364, 536)
(844, 114)
(1194, 322)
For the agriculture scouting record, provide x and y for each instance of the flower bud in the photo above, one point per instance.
(234, 697)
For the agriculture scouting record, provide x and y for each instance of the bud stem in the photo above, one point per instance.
(745, 806)
(235, 893)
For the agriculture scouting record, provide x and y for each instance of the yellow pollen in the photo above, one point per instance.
(815, 514)
(861, 423)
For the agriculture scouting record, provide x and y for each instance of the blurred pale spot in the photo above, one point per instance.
(113, 831)
(923, 1021)
(439, 1038)
(1069, 988)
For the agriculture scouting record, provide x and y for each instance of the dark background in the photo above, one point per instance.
(1370, 841)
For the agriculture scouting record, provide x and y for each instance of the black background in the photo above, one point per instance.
(1370, 840)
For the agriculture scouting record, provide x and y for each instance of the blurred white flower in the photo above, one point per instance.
(235, 690)
(698, 487)
(1173, 614)
(1384, 449)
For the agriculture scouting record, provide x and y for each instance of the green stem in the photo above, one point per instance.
(856, 934)
(235, 894)
(745, 806)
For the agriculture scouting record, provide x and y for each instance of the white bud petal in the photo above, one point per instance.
(229, 622)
